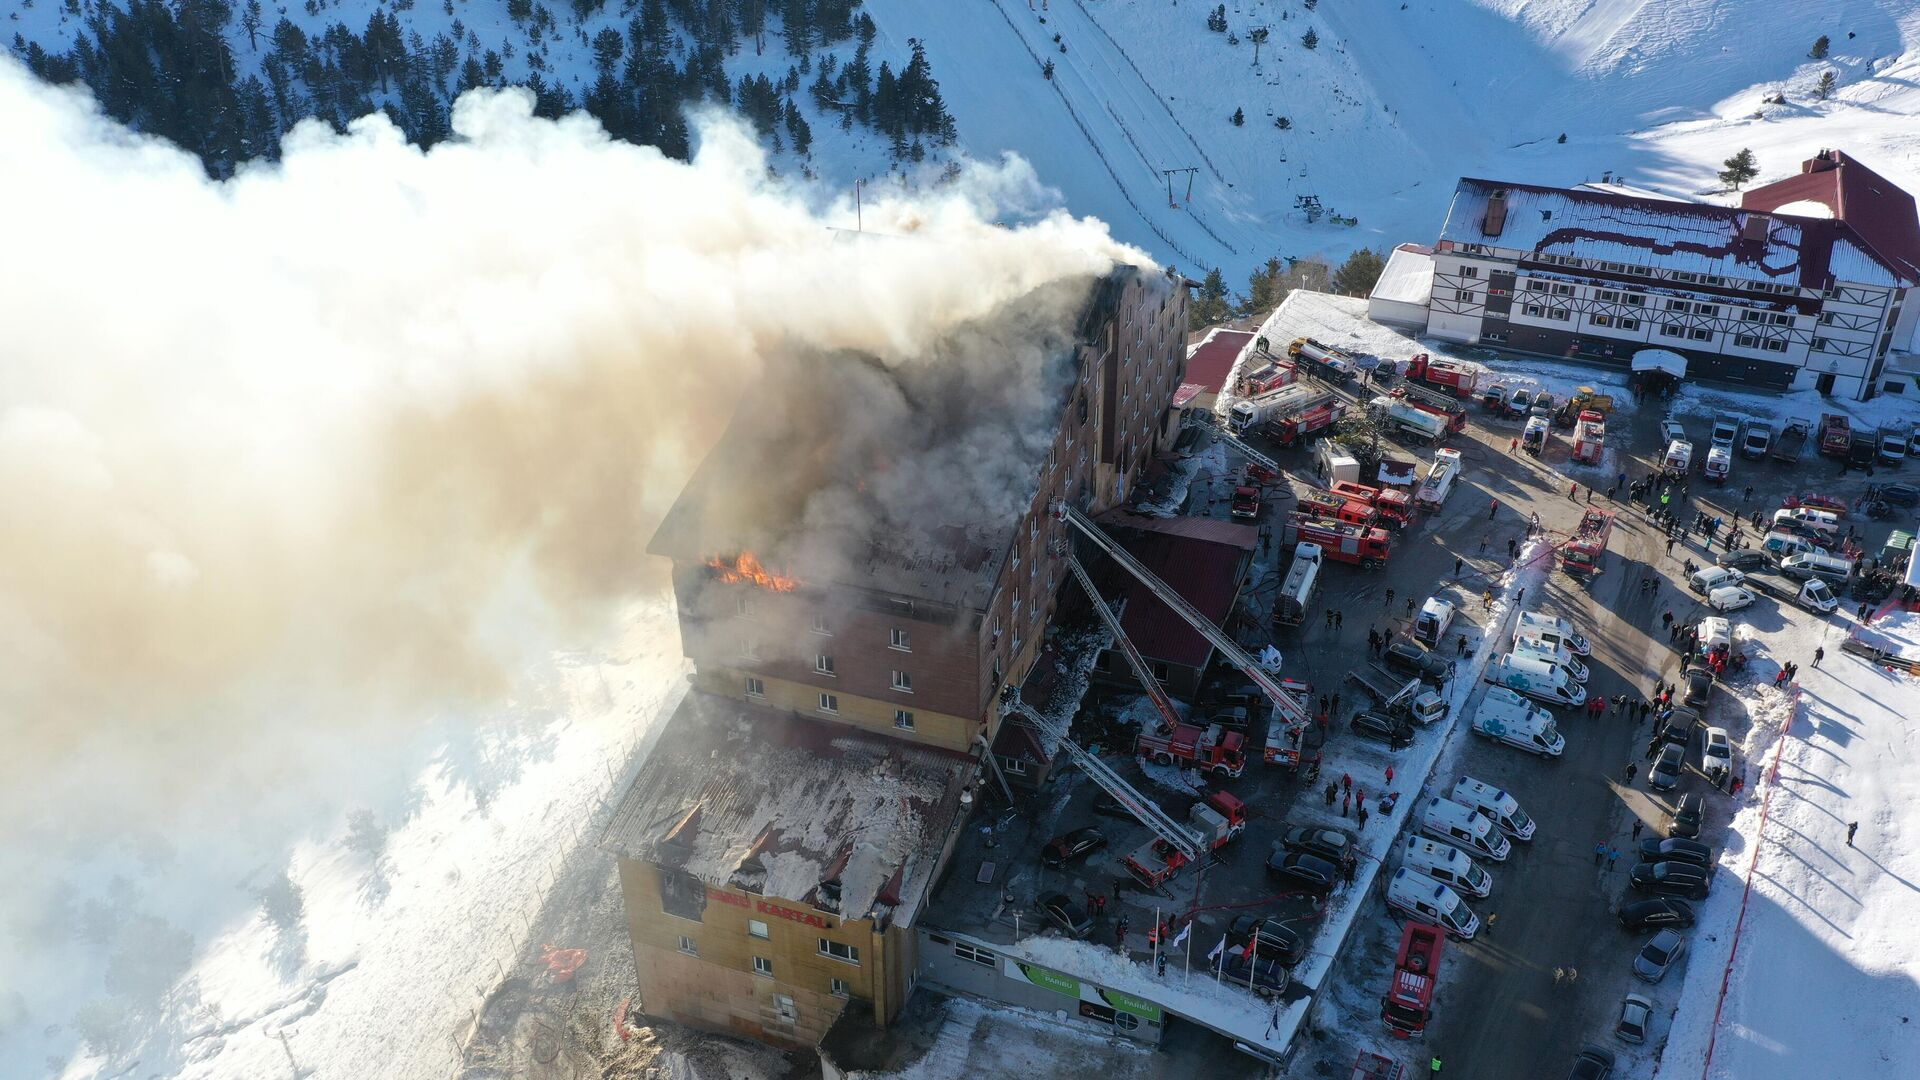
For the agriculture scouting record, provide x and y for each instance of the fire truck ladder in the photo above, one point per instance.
(1148, 811)
(1134, 660)
(1202, 418)
(1283, 703)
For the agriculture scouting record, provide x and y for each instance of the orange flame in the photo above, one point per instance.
(746, 568)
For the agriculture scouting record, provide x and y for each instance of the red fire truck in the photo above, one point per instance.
(1339, 507)
(1267, 377)
(1246, 502)
(1580, 555)
(1408, 1002)
(1211, 823)
(1395, 506)
(1836, 435)
(1317, 414)
(1447, 376)
(1453, 412)
(1590, 437)
(1212, 749)
(1364, 546)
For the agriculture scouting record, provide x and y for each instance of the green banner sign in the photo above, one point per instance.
(1127, 1003)
(1050, 980)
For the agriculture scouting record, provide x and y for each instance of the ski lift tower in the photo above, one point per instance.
(1310, 206)
(1169, 173)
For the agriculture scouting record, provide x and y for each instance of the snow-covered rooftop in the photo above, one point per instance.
(1408, 277)
(1720, 241)
(782, 806)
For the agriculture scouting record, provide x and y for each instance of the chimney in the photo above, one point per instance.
(1753, 229)
(1496, 219)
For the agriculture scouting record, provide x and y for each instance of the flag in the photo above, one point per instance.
(1217, 949)
(1180, 938)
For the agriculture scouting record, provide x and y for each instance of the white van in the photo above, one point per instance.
(1496, 805)
(1542, 680)
(1555, 628)
(1430, 626)
(1535, 645)
(1679, 458)
(1447, 865)
(1814, 565)
(1807, 519)
(1505, 716)
(1423, 899)
(1446, 820)
(1782, 544)
(1708, 578)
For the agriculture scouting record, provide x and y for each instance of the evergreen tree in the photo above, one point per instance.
(1282, 123)
(1739, 169)
(1210, 303)
(1820, 46)
(250, 22)
(798, 130)
(1217, 19)
(1262, 285)
(608, 45)
(886, 103)
(1310, 39)
(1239, 118)
(1046, 70)
(519, 10)
(1825, 89)
(1360, 273)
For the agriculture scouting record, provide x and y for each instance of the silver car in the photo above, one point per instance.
(1661, 952)
(1636, 1019)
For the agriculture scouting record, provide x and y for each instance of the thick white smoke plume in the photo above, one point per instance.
(289, 460)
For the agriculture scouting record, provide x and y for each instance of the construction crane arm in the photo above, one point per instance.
(1202, 418)
(1134, 660)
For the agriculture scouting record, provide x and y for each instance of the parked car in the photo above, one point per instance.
(1676, 849)
(1672, 879)
(1900, 494)
(1636, 1019)
(1716, 755)
(1410, 659)
(1329, 844)
(1665, 773)
(1686, 816)
(1744, 559)
(1657, 912)
(1070, 917)
(1678, 728)
(1270, 938)
(1660, 952)
(1373, 725)
(1269, 977)
(1077, 844)
(1591, 1063)
(1303, 872)
(1699, 688)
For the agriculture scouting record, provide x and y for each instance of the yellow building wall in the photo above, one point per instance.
(929, 728)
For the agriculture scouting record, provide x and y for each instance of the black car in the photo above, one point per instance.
(1373, 725)
(1664, 775)
(1899, 494)
(1409, 658)
(1268, 977)
(1699, 688)
(1656, 913)
(1678, 729)
(1301, 872)
(1686, 817)
(1591, 1063)
(1672, 879)
(1745, 559)
(1108, 806)
(1269, 938)
(1329, 844)
(1070, 917)
(1676, 849)
(1077, 844)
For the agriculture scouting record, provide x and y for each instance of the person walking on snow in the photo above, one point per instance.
(1637, 826)
(1389, 774)
(1633, 770)
(1457, 564)
(1819, 654)
(1599, 852)
(1852, 827)
(1573, 492)
(1492, 509)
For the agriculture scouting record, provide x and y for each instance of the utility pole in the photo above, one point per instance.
(859, 216)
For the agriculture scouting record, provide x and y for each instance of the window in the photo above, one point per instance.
(1706, 309)
(829, 703)
(1609, 294)
(756, 928)
(1628, 324)
(682, 895)
(1673, 330)
(1701, 334)
(763, 966)
(1682, 275)
(1820, 344)
(1751, 316)
(756, 688)
(1536, 285)
(903, 719)
(1559, 313)
(750, 648)
(1774, 345)
(903, 682)
(1013, 766)
(1635, 300)
(1563, 290)
(789, 1013)
(839, 988)
(1469, 271)
(979, 956)
(743, 606)
(823, 663)
(1747, 341)
(1535, 310)
(1783, 320)
(1826, 318)
(1463, 294)
(820, 624)
(689, 946)
(1016, 607)
(849, 953)
(1676, 305)
(899, 639)
(1603, 320)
